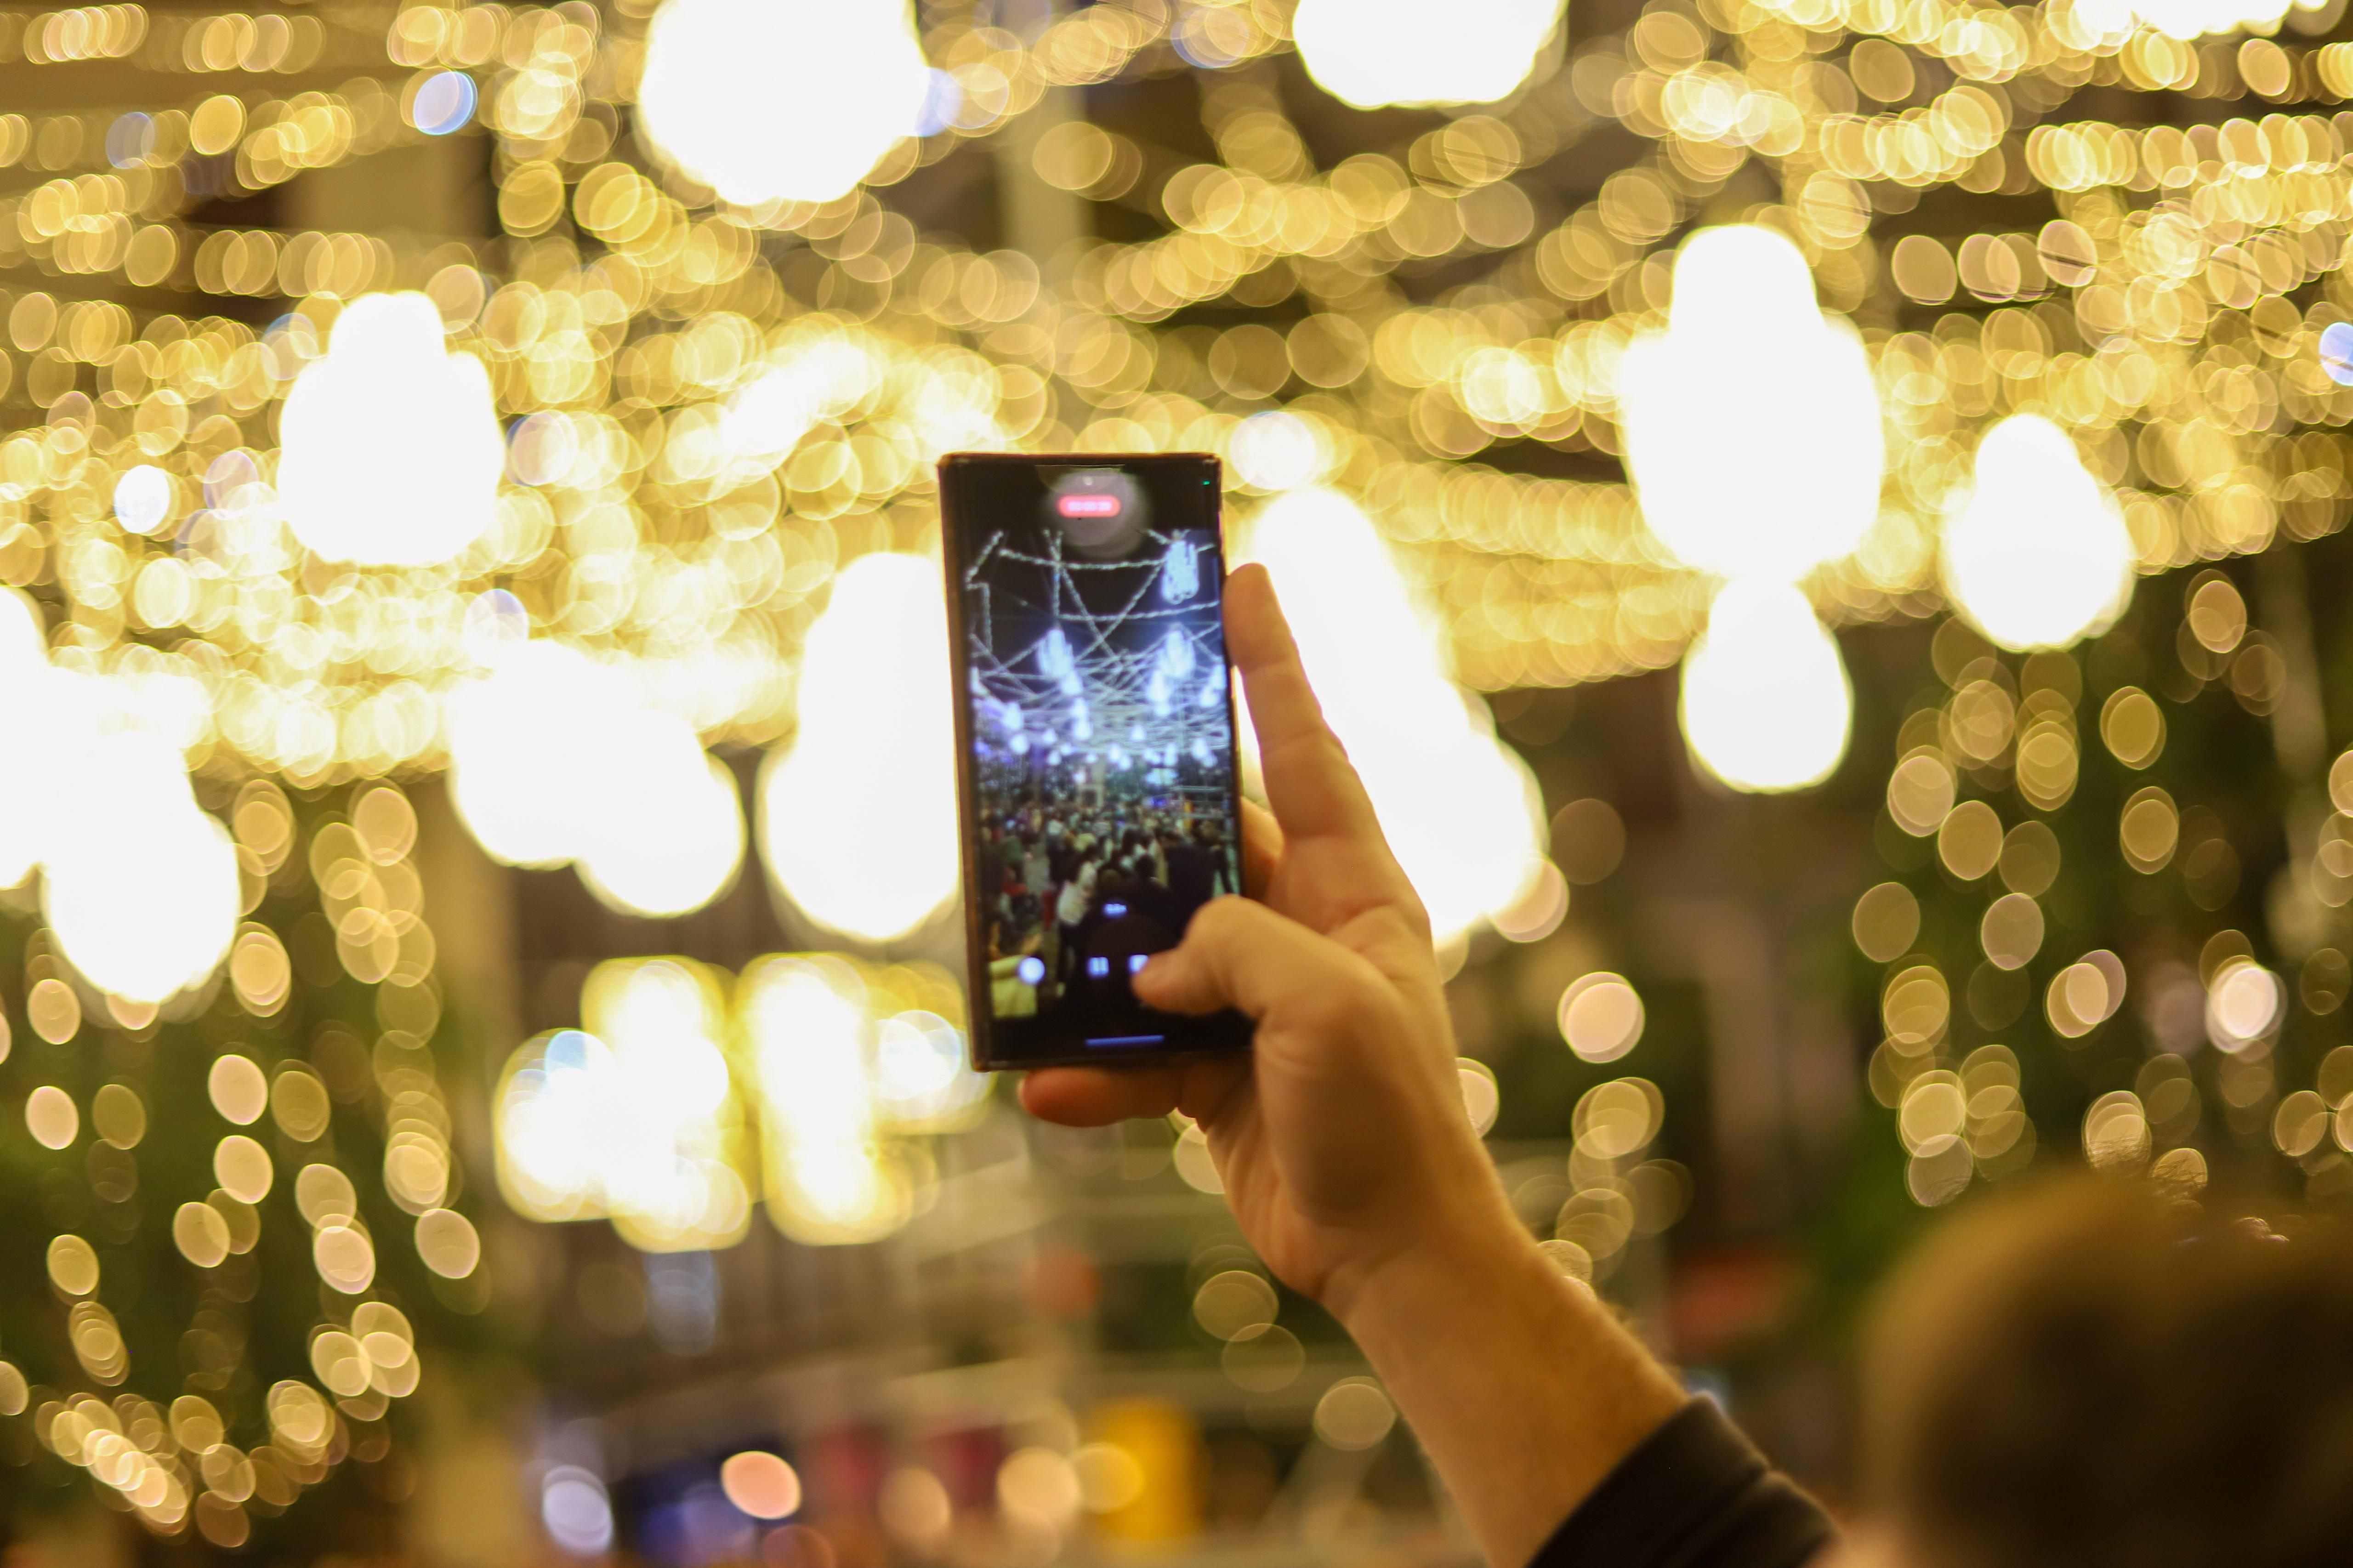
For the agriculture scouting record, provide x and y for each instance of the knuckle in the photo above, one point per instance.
(1348, 1001)
(1303, 748)
(1333, 1014)
(1219, 921)
(1409, 913)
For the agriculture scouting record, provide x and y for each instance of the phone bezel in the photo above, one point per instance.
(1188, 1037)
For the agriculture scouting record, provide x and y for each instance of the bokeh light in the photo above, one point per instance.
(1354, 1414)
(1371, 53)
(769, 101)
(443, 103)
(556, 757)
(524, 752)
(1233, 1300)
(639, 1122)
(2244, 1004)
(51, 1117)
(858, 813)
(238, 1088)
(577, 1512)
(1538, 911)
(829, 1175)
(2086, 993)
(27, 718)
(144, 498)
(668, 833)
(392, 453)
(1600, 1016)
(646, 1115)
(1765, 700)
(1483, 1100)
(1752, 434)
(141, 884)
(2036, 553)
(2196, 18)
(1459, 808)
(1109, 1477)
(1758, 471)
(761, 1484)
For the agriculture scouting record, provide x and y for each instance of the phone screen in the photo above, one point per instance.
(1096, 733)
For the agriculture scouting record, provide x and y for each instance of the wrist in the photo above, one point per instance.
(1525, 1389)
(1462, 1249)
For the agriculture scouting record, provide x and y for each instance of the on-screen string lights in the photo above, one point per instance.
(1088, 696)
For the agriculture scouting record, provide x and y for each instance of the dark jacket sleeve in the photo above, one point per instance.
(1694, 1495)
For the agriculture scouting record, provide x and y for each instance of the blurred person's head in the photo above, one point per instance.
(2095, 1376)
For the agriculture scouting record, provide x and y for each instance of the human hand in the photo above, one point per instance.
(1341, 1138)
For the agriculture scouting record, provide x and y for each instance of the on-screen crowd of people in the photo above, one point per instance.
(1077, 877)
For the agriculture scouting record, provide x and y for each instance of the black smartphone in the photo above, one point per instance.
(1096, 767)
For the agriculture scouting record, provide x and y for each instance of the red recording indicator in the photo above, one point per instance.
(1086, 505)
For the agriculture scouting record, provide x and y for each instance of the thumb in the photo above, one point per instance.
(1239, 953)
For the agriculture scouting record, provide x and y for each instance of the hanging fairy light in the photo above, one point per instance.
(1757, 470)
(392, 447)
(858, 812)
(768, 100)
(2036, 553)
(1459, 808)
(1163, 688)
(1373, 53)
(1180, 570)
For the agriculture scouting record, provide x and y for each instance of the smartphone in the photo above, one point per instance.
(1096, 767)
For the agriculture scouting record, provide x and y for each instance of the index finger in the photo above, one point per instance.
(1262, 848)
(1310, 783)
(1097, 1097)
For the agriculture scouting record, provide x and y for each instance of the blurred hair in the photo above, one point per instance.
(2091, 1374)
